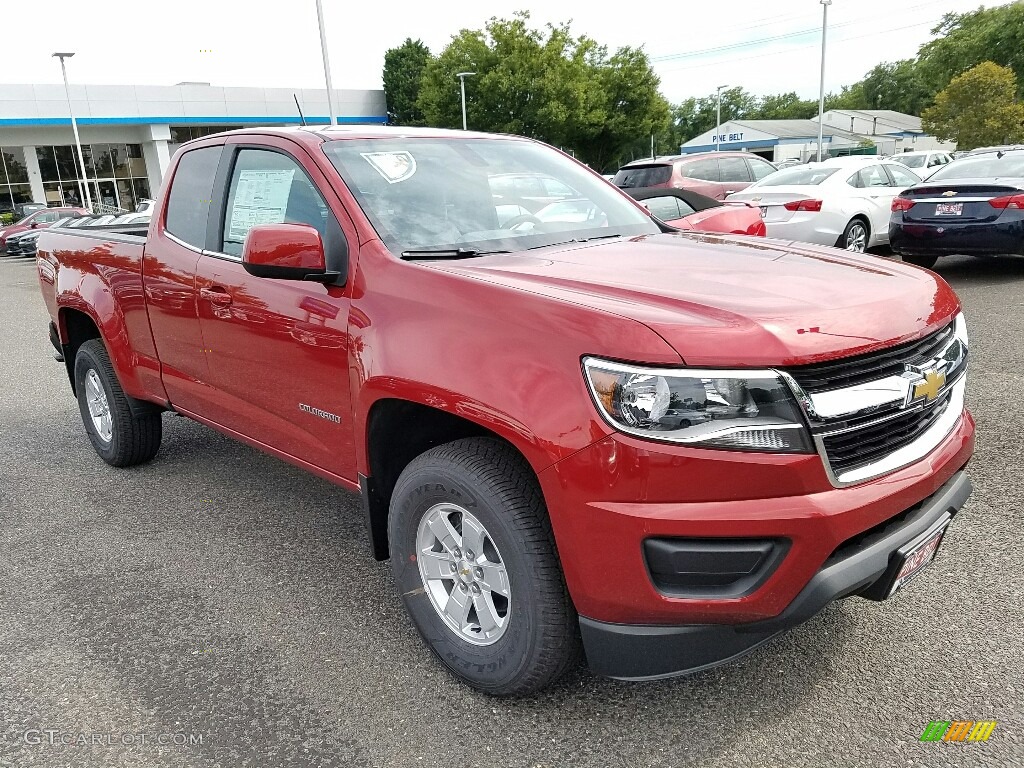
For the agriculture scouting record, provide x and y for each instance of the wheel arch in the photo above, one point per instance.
(397, 431)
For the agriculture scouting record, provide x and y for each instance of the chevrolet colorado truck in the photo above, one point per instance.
(584, 434)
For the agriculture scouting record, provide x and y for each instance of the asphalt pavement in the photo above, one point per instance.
(218, 607)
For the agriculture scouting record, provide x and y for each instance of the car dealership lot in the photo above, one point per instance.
(221, 594)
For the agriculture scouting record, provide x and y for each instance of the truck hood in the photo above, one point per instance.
(734, 301)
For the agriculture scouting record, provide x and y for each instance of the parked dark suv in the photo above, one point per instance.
(714, 174)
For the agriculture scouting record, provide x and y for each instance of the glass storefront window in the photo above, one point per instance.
(47, 164)
(116, 172)
(12, 167)
(136, 161)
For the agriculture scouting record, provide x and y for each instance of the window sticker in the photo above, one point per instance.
(393, 166)
(261, 197)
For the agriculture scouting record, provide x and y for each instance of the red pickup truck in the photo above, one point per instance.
(594, 434)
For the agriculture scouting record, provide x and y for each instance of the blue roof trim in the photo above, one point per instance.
(212, 120)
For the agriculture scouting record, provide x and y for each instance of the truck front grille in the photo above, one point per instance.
(849, 371)
(859, 447)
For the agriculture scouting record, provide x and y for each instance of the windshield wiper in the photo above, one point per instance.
(575, 240)
(440, 254)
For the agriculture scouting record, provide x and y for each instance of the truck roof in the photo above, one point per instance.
(316, 134)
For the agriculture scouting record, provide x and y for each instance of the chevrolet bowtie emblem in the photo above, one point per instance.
(929, 388)
(950, 193)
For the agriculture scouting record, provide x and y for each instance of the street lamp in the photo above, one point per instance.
(83, 186)
(327, 63)
(718, 129)
(821, 96)
(462, 82)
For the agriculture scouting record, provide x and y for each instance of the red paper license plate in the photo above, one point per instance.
(918, 555)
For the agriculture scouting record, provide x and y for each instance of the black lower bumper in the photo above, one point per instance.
(983, 239)
(630, 652)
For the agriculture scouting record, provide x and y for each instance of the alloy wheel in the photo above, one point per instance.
(463, 574)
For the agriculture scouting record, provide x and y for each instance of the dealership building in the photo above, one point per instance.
(872, 131)
(129, 133)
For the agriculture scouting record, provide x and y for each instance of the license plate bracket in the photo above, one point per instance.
(912, 558)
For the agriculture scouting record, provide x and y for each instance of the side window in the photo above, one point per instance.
(664, 208)
(734, 169)
(704, 170)
(874, 176)
(46, 218)
(856, 181)
(269, 188)
(901, 177)
(760, 168)
(188, 204)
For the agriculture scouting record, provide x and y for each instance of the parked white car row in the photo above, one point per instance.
(843, 202)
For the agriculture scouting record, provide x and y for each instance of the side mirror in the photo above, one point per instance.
(286, 252)
(34, 225)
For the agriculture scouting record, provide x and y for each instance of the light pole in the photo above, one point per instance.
(462, 82)
(821, 96)
(718, 128)
(83, 183)
(327, 63)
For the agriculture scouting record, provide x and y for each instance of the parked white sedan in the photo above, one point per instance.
(845, 201)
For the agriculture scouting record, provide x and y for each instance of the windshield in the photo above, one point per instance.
(804, 176)
(481, 194)
(912, 161)
(986, 166)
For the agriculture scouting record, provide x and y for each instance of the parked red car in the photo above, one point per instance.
(713, 174)
(687, 210)
(38, 220)
(576, 432)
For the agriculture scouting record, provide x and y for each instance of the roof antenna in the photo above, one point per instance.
(301, 116)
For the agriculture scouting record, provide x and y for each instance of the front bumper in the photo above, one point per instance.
(635, 652)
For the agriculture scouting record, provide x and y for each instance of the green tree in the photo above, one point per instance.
(549, 85)
(978, 108)
(965, 40)
(403, 72)
(785, 106)
(897, 85)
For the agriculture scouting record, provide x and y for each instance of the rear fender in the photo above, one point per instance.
(85, 292)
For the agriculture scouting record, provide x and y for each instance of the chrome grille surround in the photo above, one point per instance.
(922, 405)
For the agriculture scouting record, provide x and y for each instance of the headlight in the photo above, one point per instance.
(740, 410)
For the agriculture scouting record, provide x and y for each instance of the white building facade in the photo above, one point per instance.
(129, 133)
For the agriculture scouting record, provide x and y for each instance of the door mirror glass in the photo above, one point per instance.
(286, 252)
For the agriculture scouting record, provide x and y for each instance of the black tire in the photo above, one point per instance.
(490, 479)
(133, 439)
(921, 261)
(844, 239)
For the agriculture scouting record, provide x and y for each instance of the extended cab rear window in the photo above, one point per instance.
(642, 176)
(188, 203)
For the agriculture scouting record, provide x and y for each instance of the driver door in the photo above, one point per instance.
(277, 350)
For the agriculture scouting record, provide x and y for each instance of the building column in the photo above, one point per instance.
(158, 159)
(35, 176)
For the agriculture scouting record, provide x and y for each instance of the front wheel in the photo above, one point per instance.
(921, 261)
(855, 237)
(120, 438)
(475, 564)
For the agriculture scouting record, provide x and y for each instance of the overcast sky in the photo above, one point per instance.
(765, 46)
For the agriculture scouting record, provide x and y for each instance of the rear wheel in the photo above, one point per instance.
(921, 261)
(475, 564)
(855, 237)
(119, 437)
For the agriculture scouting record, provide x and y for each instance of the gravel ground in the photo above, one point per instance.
(227, 600)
